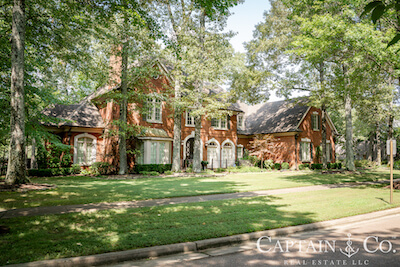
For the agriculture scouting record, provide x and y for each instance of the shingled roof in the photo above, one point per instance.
(84, 114)
(273, 117)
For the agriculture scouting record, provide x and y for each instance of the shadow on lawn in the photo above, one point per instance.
(54, 236)
(318, 178)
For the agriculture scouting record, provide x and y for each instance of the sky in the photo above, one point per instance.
(244, 19)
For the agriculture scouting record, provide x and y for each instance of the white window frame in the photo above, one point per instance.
(152, 103)
(315, 115)
(219, 123)
(305, 142)
(240, 121)
(189, 117)
(152, 153)
(239, 148)
(94, 149)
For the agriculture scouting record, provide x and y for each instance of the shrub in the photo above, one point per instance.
(151, 173)
(218, 170)
(396, 165)
(189, 169)
(76, 168)
(160, 168)
(168, 172)
(277, 166)
(269, 164)
(285, 166)
(364, 163)
(316, 166)
(100, 168)
(52, 172)
(304, 166)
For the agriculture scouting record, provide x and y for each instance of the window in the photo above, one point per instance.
(154, 110)
(220, 123)
(315, 122)
(240, 121)
(189, 119)
(84, 149)
(239, 152)
(153, 153)
(140, 156)
(328, 152)
(305, 151)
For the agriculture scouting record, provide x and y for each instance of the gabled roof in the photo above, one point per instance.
(274, 117)
(84, 114)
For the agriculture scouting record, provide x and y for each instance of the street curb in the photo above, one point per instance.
(144, 253)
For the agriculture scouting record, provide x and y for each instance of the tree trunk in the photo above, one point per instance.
(378, 146)
(197, 157)
(176, 156)
(323, 135)
(349, 135)
(16, 171)
(323, 116)
(370, 147)
(123, 162)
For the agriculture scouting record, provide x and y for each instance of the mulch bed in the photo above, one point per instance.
(25, 187)
(396, 185)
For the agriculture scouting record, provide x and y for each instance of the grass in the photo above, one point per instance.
(81, 190)
(57, 236)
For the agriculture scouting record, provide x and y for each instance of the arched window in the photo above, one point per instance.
(84, 149)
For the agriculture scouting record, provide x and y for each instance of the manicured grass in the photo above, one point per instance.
(80, 190)
(57, 236)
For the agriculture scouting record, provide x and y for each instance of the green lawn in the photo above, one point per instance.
(80, 190)
(57, 236)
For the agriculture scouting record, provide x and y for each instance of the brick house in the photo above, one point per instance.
(295, 126)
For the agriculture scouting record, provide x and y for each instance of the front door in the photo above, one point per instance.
(189, 151)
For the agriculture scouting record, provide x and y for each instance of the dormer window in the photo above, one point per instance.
(315, 121)
(240, 121)
(153, 110)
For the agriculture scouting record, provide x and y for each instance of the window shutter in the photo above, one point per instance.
(312, 122)
(228, 121)
(311, 152)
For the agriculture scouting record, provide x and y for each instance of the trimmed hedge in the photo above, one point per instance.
(334, 165)
(277, 166)
(54, 171)
(160, 168)
(305, 166)
(285, 166)
(316, 166)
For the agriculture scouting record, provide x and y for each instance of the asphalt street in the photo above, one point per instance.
(373, 242)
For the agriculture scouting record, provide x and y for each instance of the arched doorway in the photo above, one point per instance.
(189, 152)
(228, 155)
(213, 155)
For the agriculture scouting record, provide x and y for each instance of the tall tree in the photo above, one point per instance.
(16, 173)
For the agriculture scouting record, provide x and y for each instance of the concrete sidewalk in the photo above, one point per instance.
(158, 202)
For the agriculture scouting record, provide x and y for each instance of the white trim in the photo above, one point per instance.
(153, 109)
(228, 141)
(331, 123)
(219, 124)
(315, 113)
(240, 127)
(94, 149)
(155, 138)
(184, 145)
(302, 119)
(218, 150)
(239, 145)
(306, 140)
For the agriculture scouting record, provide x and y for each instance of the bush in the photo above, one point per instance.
(277, 166)
(168, 172)
(76, 168)
(218, 170)
(304, 166)
(337, 165)
(160, 168)
(364, 163)
(316, 166)
(151, 173)
(269, 164)
(52, 172)
(100, 168)
(285, 166)
(396, 165)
